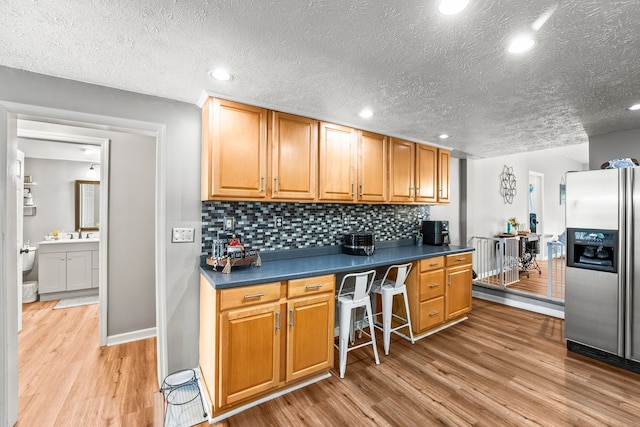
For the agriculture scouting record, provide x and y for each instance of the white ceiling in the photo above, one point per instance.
(422, 73)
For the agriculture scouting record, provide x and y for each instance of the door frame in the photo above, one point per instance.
(9, 114)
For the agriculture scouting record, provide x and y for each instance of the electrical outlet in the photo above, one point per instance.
(229, 223)
(277, 221)
(345, 220)
(182, 235)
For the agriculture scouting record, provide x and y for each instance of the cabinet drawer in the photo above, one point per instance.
(249, 295)
(311, 285)
(431, 313)
(459, 259)
(431, 284)
(431, 263)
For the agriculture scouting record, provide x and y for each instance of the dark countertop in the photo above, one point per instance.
(275, 270)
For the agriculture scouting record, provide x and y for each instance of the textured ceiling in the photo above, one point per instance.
(420, 72)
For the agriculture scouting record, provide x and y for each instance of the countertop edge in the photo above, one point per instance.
(300, 267)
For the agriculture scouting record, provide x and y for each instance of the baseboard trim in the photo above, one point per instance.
(520, 302)
(217, 418)
(141, 334)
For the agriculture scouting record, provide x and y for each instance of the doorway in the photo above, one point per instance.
(9, 115)
(536, 207)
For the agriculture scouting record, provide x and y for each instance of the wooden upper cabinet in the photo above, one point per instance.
(337, 171)
(294, 157)
(444, 160)
(426, 174)
(234, 151)
(401, 170)
(372, 167)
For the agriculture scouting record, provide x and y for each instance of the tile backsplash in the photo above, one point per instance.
(308, 225)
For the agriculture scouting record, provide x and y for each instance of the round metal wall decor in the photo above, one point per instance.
(507, 184)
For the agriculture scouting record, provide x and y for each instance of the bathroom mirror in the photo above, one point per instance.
(87, 205)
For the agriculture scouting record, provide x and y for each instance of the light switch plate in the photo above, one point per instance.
(182, 235)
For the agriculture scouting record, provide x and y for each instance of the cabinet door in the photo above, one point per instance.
(294, 157)
(372, 167)
(79, 275)
(458, 294)
(310, 335)
(443, 175)
(95, 269)
(52, 272)
(249, 352)
(337, 163)
(234, 150)
(426, 174)
(401, 170)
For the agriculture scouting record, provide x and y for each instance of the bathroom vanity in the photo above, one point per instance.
(68, 268)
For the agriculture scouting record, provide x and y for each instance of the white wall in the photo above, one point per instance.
(616, 145)
(451, 212)
(486, 209)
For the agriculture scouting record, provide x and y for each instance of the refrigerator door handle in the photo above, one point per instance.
(626, 296)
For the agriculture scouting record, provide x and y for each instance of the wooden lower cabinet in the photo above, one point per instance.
(459, 274)
(309, 335)
(249, 352)
(439, 291)
(256, 340)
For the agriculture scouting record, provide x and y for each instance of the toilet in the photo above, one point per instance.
(29, 289)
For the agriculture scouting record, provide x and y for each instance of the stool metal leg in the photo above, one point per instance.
(387, 310)
(372, 331)
(345, 319)
(406, 304)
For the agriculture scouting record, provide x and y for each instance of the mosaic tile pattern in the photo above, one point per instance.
(308, 225)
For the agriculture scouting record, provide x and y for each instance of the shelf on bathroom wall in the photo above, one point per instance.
(29, 210)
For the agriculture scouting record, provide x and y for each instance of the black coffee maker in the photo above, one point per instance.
(435, 233)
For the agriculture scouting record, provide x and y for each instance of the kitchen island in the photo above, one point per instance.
(265, 331)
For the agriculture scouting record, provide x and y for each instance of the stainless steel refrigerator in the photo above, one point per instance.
(602, 294)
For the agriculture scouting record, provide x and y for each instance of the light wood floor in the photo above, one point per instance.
(501, 367)
(537, 283)
(66, 379)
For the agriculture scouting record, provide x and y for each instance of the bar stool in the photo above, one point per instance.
(387, 289)
(348, 300)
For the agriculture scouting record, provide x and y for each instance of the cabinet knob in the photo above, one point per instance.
(318, 286)
(434, 285)
(291, 322)
(277, 320)
(263, 180)
(277, 185)
(434, 313)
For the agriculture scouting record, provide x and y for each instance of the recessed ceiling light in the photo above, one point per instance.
(634, 107)
(451, 7)
(443, 136)
(366, 113)
(521, 44)
(220, 74)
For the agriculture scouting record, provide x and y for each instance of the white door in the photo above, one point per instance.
(19, 228)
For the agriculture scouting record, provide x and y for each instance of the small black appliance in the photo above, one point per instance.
(360, 243)
(435, 233)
